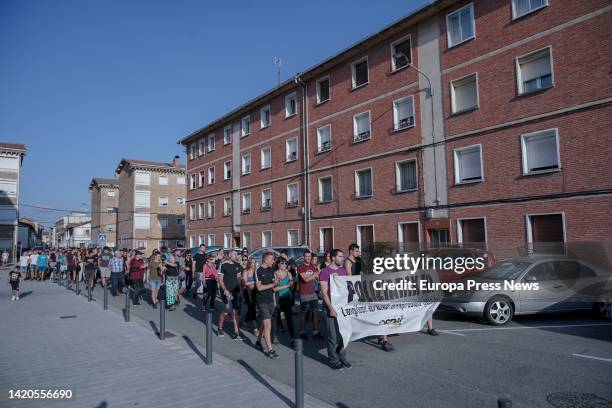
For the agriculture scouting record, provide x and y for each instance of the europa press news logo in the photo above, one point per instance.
(395, 321)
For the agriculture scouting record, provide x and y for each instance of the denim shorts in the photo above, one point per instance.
(154, 283)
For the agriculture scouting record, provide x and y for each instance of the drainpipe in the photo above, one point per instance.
(307, 234)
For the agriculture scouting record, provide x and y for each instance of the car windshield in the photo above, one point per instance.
(505, 270)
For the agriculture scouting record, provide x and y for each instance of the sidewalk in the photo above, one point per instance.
(52, 339)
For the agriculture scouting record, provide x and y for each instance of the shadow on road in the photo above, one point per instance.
(265, 383)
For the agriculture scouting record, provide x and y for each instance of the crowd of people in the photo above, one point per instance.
(263, 293)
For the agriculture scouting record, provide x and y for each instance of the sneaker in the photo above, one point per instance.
(258, 345)
(17, 298)
(432, 332)
(241, 336)
(234, 336)
(220, 333)
(387, 346)
(317, 336)
(345, 363)
(304, 336)
(336, 365)
(154, 305)
(272, 354)
(14, 297)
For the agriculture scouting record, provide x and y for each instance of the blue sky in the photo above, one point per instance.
(84, 83)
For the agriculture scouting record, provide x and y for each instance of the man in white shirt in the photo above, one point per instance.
(34, 264)
(24, 262)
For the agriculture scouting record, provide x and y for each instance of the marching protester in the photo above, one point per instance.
(229, 278)
(284, 298)
(249, 291)
(199, 261)
(265, 281)
(117, 273)
(209, 283)
(308, 274)
(24, 263)
(5, 257)
(188, 268)
(71, 262)
(34, 265)
(335, 345)
(90, 269)
(171, 282)
(15, 281)
(103, 264)
(137, 271)
(43, 262)
(155, 273)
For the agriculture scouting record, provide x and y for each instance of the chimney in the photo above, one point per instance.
(175, 161)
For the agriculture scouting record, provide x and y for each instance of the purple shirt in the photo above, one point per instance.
(327, 271)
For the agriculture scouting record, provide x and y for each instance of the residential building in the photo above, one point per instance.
(478, 122)
(30, 234)
(78, 235)
(151, 204)
(104, 205)
(63, 229)
(11, 159)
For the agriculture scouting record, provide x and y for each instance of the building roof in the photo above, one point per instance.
(77, 224)
(146, 164)
(395, 27)
(30, 223)
(99, 181)
(12, 146)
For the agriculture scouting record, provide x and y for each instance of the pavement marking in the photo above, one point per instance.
(607, 360)
(526, 327)
(451, 332)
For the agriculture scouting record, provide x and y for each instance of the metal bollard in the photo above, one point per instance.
(127, 304)
(209, 337)
(78, 289)
(299, 373)
(89, 292)
(162, 319)
(106, 296)
(504, 403)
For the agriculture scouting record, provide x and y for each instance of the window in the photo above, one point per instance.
(534, 71)
(361, 127)
(266, 199)
(326, 239)
(211, 239)
(211, 175)
(162, 244)
(325, 189)
(246, 202)
(163, 222)
(246, 239)
(110, 193)
(142, 199)
(192, 212)
(472, 231)
(365, 237)
(292, 195)
(180, 220)
(359, 72)
(110, 228)
(227, 170)
(291, 148)
(8, 188)
(180, 179)
(290, 105)
(227, 206)
(193, 151)
(464, 93)
(227, 135)
(363, 183)
(180, 243)
(192, 181)
(323, 90)
(523, 7)
(192, 241)
(246, 164)
(540, 151)
(403, 113)
(264, 117)
(141, 244)
(324, 138)
(460, 25)
(9, 163)
(180, 200)
(163, 201)
(266, 238)
(408, 236)
(163, 180)
(245, 126)
(141, 221)
(201, 211)
(405, 176)
(266, 157)
(227, 240)
(293, 237)
(401, 53)
(202, 178)
(201, 147)
(211, 142)
(200, 239)
(110, 210)
(210, 210)
(468, 164)
(143, 178)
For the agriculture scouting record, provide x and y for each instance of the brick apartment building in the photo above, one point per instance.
(11, 158)
(104, 205)
(151, 204)
(465, 122)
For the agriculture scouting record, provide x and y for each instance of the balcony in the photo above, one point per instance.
(291, 204)
(324, 146)
(361, 136)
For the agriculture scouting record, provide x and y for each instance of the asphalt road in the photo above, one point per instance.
(536, 361)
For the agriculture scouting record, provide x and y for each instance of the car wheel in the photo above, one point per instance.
(603, 307)
(499, 311)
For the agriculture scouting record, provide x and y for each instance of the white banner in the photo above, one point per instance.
(364, 311)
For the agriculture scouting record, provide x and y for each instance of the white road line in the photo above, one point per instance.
(451, 332)
(528, 327)
(607, 360)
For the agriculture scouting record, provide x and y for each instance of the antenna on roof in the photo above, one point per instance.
(278, 62)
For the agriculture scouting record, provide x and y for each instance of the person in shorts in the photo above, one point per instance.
(155, 273)
(43, 263)
(229, 282)
(15, 280)
(24, 262)
(90, 269)
(265, 281)
(103, 264)
(34, 265)
(309, 301)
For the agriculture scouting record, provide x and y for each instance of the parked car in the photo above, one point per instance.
(294, 252)
(565, 284)
(212, 249)
(451, 276)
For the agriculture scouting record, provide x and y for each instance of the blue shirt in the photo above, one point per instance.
(42, 260)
